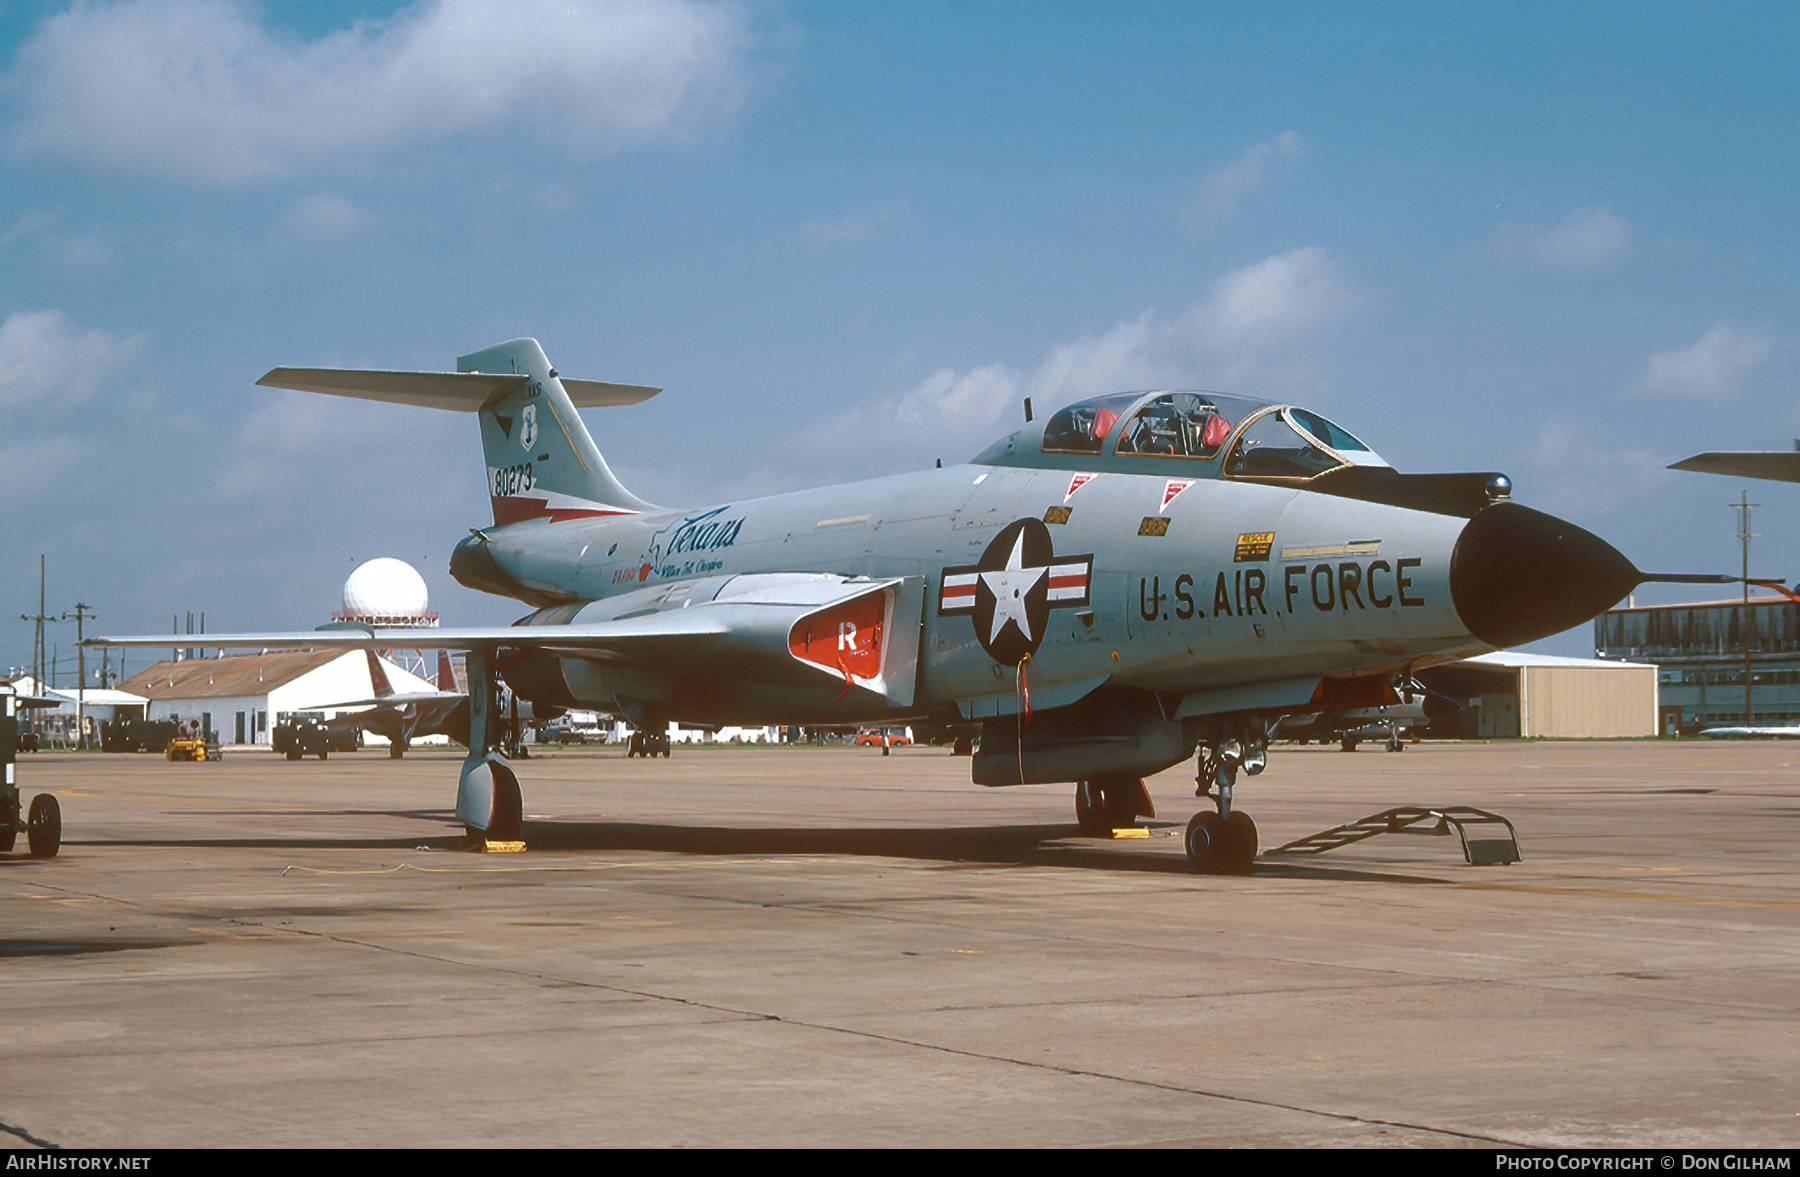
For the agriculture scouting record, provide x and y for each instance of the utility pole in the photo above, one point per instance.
(81, 614)
(37, 639)
(1743, 507)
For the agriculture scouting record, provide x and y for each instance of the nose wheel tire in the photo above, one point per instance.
(1216, 846)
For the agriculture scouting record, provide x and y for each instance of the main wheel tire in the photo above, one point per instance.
(1124, 799)
(292, 754)
(508, 814)
(43, 829)
(1090, 809)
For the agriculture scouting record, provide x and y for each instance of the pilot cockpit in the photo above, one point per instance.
(1236, 437)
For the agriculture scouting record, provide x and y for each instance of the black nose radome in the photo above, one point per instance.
(1518, 575)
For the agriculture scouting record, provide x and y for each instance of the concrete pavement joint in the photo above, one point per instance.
(1052, 1068)
(27, 1137)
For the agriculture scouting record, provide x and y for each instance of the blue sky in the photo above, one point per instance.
(1558, 240)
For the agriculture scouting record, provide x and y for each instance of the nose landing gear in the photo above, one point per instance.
(1224, 843)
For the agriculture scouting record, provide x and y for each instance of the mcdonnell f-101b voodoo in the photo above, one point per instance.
(1134, 580)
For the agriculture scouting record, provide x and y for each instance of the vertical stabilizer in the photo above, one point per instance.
(541, 462)
(378, 678)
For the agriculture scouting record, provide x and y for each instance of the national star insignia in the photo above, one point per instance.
(1009, 586)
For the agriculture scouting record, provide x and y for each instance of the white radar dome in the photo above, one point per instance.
(385, 587)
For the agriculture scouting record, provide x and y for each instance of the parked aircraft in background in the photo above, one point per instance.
(1789, 732)
(1138, 579)
(1416, 710)
(401, 717)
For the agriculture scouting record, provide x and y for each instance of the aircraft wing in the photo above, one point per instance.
(425, 698)
(792, 624)
(601, 638)
(1776, 466)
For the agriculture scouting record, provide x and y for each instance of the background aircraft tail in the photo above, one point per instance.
(541, 463)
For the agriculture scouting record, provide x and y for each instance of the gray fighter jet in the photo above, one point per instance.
(1134, 580)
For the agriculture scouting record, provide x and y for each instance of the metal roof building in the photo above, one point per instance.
(243, 696)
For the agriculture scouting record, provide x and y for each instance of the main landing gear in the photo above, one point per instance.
(1105, 804)
(1224, 843)
(488, 802)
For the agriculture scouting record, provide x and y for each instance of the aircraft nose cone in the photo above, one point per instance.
(1517, 575)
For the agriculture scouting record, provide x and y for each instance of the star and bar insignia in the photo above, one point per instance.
(1009, 593)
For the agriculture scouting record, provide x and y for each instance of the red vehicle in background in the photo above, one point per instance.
(896, 737)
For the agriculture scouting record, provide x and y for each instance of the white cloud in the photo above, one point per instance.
(1257, 326)
(1710, 368)
(31, 466)
(197, 90)
(855, 227)
(1589, 239)
(32, 223)
(1573, 471)
(87, 251)
(1221, 190)
(317, 446)
(323, 218)
(46, 362)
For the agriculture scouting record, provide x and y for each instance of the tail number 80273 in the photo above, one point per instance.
(510, 480)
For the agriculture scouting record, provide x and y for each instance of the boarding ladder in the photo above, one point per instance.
(1493, 839)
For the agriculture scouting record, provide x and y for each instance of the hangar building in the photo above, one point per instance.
(1513, 694)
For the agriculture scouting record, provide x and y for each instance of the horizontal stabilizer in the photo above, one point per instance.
(1776, 466)
(595, 394)
(459, 392)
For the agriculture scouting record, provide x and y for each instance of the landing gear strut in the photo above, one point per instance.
(487, 798)
(1225, 842)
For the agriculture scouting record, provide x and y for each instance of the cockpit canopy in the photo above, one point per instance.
(1257, 439)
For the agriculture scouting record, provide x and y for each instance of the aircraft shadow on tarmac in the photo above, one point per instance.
(1050, 845)
(1061, 845)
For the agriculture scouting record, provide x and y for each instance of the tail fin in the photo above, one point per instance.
(378, 678)
(446, 676)
(541, 463)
